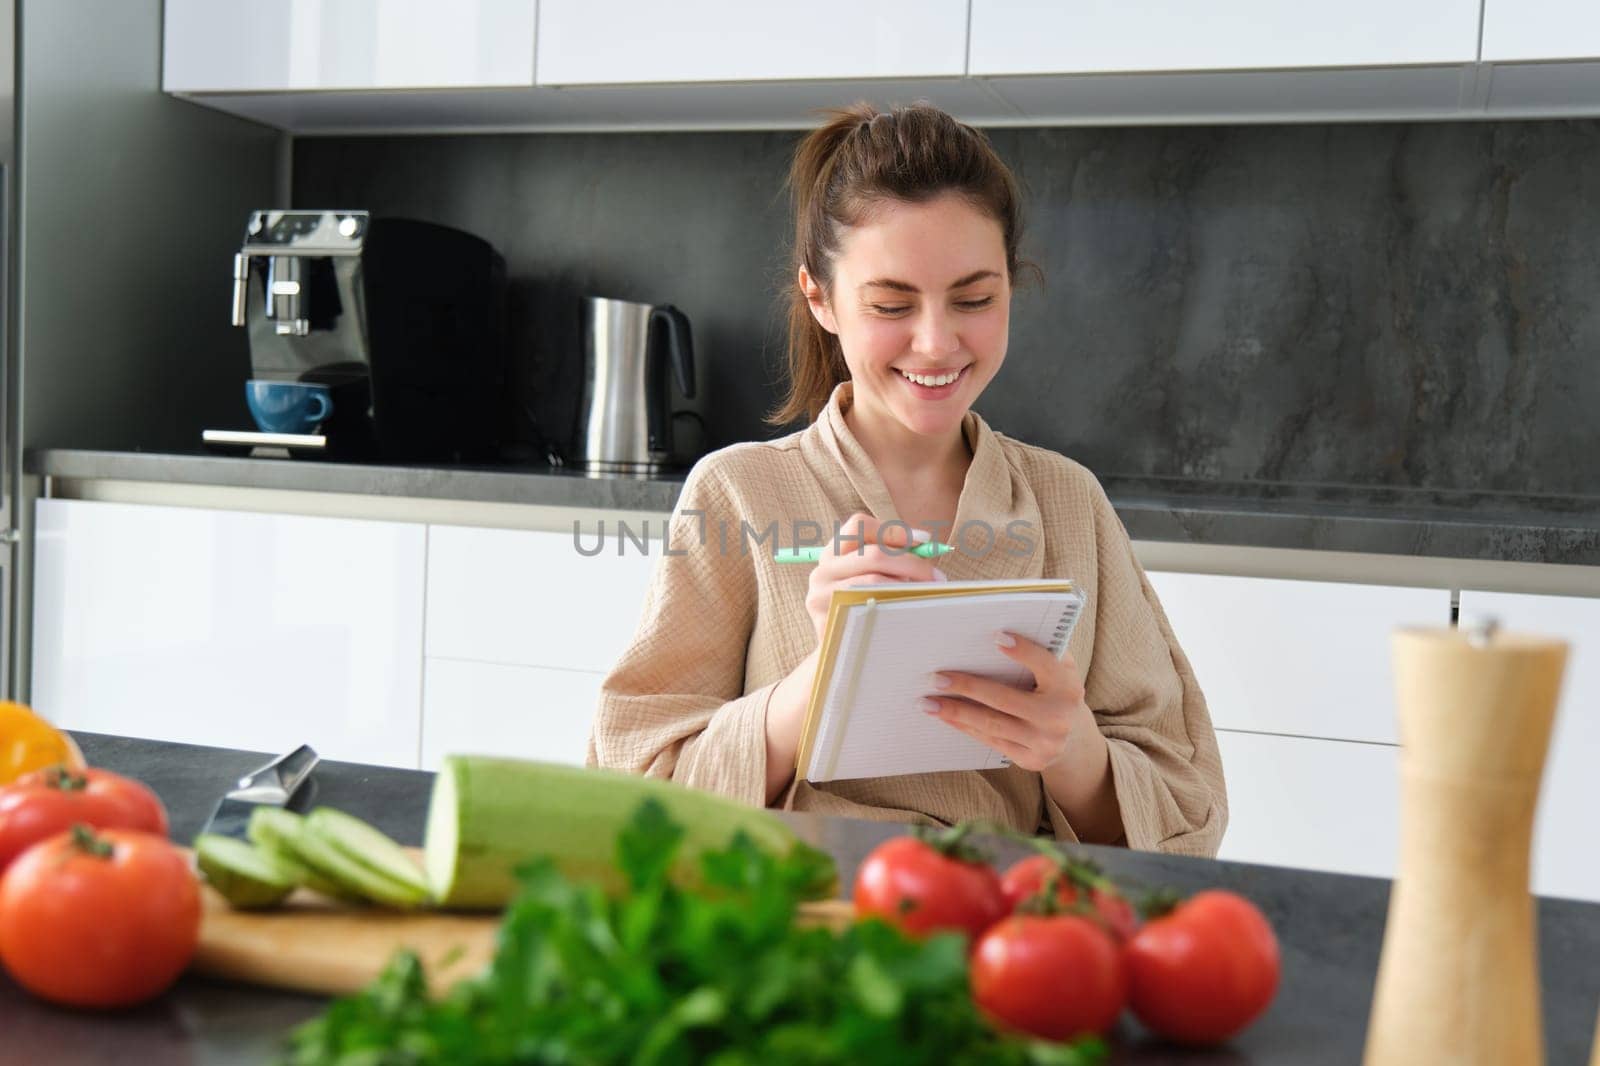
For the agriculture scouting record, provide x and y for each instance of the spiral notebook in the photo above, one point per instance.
(881, 647)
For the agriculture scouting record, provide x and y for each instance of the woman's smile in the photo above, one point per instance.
(934, 383)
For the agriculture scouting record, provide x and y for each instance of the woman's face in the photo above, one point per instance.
(921, 305)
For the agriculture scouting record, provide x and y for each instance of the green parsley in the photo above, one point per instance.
(662, 975)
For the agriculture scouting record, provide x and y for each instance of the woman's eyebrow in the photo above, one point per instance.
(906, 286)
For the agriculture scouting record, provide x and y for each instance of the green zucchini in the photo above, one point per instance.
(488, 815)
(246, 876)
(289, 832)
(368, 846)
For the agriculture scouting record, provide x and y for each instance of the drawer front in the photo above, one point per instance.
(1300, 658)
(243, 46)
(619, 42)
(230, 629)
(521, 711)
(1028, 37)
(533, 598)
(1314, 804)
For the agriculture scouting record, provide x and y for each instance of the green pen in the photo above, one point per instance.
(929, 550)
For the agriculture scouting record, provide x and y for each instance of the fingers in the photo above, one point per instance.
(1010, 737)
(977, 719)
(1025, 740)
(862, 528)
(873, 559)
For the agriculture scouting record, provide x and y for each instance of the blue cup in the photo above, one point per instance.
(287, 406)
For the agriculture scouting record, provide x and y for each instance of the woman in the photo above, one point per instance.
(906, 233)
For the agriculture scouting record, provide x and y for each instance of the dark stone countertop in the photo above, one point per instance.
(1350, 518)
(1330, 929)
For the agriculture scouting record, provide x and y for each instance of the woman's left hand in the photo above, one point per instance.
(1033, 728)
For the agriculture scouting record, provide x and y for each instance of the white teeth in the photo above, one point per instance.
(932, 381)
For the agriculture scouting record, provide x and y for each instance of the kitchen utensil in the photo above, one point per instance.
(1458, 979)
(317, 946)
(283, 782)
(625, 423)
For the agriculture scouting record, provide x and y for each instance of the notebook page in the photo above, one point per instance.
(899, 646)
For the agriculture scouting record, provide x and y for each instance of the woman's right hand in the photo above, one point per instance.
(883, 557)
(867, 552)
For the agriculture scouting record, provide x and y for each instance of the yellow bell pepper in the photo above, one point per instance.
(28, 742)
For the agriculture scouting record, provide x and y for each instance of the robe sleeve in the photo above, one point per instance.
(674, 705)
(1165, 765)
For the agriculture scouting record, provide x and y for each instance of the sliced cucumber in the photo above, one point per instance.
(246, 876)
(368, 846)
(306, 876)
(274, 830)
(288, 832)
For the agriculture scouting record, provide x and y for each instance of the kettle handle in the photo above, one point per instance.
(680, 345)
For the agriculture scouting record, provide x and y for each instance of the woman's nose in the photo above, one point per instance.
(935, 334)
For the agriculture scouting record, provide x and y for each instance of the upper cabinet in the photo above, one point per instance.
(1532, 30)
(625, 42)
(1147, 36)
(333, 66)
(1541, 58)
(249, 46)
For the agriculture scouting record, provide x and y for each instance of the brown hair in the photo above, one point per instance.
(859, 156)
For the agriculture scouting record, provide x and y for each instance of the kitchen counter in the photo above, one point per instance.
(1390, 521)
(1330, 928)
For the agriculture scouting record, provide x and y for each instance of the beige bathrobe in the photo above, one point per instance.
(722, 624)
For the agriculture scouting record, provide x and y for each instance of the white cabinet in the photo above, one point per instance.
(524, 712)
(250, 46)
(1302, 658)
(1314, 804)
(1524, 30)
(1011, 37)
(619, 42)
(230, 629)
(522, 628)
(534, 598)
(1566, 861)
(331, 66)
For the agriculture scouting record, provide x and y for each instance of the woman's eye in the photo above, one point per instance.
(975, 305)
(890, 309)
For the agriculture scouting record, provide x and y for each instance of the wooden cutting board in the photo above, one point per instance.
(312, 945)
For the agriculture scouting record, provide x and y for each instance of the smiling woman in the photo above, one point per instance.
(907, 227)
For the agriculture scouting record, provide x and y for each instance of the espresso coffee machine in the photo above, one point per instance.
(402, 321)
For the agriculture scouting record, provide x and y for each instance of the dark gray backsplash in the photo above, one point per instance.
(1408, 304)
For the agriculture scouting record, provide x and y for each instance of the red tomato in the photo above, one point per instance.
(1055, 976)
(914, 886)
(99, 919)
(1028, 877)
(50, 801)
(1205, 971)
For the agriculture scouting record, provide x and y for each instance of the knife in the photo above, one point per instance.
(284, 782)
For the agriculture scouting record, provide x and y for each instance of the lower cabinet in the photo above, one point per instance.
(1316, 804)
(230, 628)
(1304, 658)
(526, 712)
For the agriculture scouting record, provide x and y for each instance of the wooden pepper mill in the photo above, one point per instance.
(1458, 981)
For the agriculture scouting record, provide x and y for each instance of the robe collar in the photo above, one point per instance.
(997, 506)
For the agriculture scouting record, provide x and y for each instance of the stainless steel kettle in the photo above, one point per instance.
(625, 423)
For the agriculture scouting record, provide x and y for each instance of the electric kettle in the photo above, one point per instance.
(625, 422)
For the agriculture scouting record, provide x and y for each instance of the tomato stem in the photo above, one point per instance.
(84, 840)
(60, 776)
(1159, 903)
